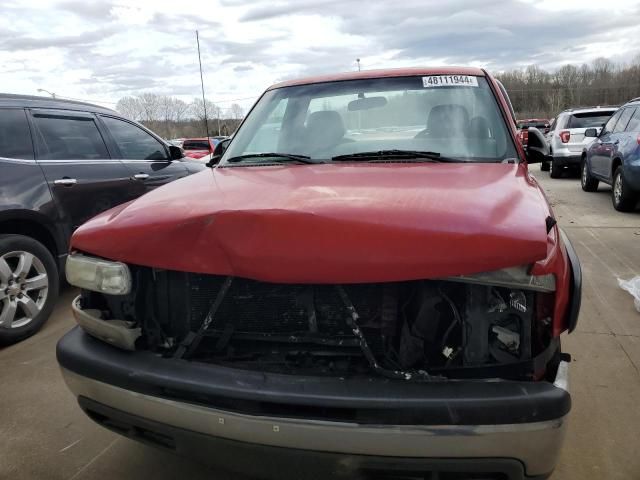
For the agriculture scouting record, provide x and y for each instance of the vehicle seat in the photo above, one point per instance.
(479, 128)
(324, 131)
(446, 121)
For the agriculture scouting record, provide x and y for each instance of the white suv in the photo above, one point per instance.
(566, 136)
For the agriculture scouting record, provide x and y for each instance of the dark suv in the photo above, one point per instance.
(61, 163)
(614, 157)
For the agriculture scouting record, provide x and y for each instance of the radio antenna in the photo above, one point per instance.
(204, 102)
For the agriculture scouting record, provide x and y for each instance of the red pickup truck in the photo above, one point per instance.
(368, 279)
(200, 147)
(541, 124)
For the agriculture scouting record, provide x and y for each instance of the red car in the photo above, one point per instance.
(541, 124)
(200, 147)
(368, 280)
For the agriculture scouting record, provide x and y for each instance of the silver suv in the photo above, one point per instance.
(566, 136)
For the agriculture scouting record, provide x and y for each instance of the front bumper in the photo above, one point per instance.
(515, 428)
(566, 158)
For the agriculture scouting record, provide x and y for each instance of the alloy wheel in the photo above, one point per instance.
(584, 173)
(617, 189)
(24, 286)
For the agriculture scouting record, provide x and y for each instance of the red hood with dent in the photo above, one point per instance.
(331, 223)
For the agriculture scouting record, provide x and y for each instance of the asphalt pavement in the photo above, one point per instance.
(44, 435)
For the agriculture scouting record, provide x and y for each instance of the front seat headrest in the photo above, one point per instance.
(447, 121)
(325, 128)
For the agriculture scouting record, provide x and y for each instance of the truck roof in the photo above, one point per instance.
(383, 73)
(591, 109)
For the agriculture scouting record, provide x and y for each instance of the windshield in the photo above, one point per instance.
(419, 114)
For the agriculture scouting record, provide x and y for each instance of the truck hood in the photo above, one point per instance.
(331, 223)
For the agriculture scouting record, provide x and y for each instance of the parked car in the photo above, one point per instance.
(200, 147)
(339, 302)
(61, 163)
(541, 124)
(614, 157)
(566, 136)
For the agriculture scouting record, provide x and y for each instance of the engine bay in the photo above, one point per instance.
(399, 330)
(423, 329)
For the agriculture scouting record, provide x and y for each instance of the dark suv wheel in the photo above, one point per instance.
(623, 197)
(28, 287)
(589, 184)
(556, 170)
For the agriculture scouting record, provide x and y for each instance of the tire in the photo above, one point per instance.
(29, 285)
(556, 170)
(588, 183)
(545, 166)
(624, 199)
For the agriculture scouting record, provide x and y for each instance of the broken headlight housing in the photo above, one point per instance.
(513, 277)
(98, 275)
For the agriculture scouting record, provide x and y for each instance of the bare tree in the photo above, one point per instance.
(151, 104)
(180, 109)
(197, 109)
(214, 113)
(130, 107)
(236, 112)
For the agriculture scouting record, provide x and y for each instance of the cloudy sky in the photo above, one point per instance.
(101, 51)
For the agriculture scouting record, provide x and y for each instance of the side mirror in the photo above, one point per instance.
(537, 146)
(175, 152)
(221, 147)
(591, 132)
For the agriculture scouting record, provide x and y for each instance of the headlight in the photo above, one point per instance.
(98, 275)
(513, 277)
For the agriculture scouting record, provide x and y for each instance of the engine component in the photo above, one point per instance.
(511, 340)
(427, 326)
(518, 300)
(443, 327)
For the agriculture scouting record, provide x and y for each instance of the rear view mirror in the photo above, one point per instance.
(591, 132)
(175, 152)
(537, 146)
(367, 103)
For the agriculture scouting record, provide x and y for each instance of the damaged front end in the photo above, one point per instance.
(490, 325)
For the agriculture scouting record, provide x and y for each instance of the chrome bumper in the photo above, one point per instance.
(536, 445)
(119, 333)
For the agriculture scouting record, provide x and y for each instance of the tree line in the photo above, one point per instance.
(538, 93)
(171, 117)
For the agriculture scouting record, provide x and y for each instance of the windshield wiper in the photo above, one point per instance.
(278, 157)
(395, 155)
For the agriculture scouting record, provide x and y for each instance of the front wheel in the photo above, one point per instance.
(624, 199)
(28, 287)
(589, 184)
(545, 166)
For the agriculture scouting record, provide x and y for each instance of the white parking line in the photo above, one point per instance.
(93, 460)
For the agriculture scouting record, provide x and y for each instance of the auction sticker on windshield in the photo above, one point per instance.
(449, 81)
